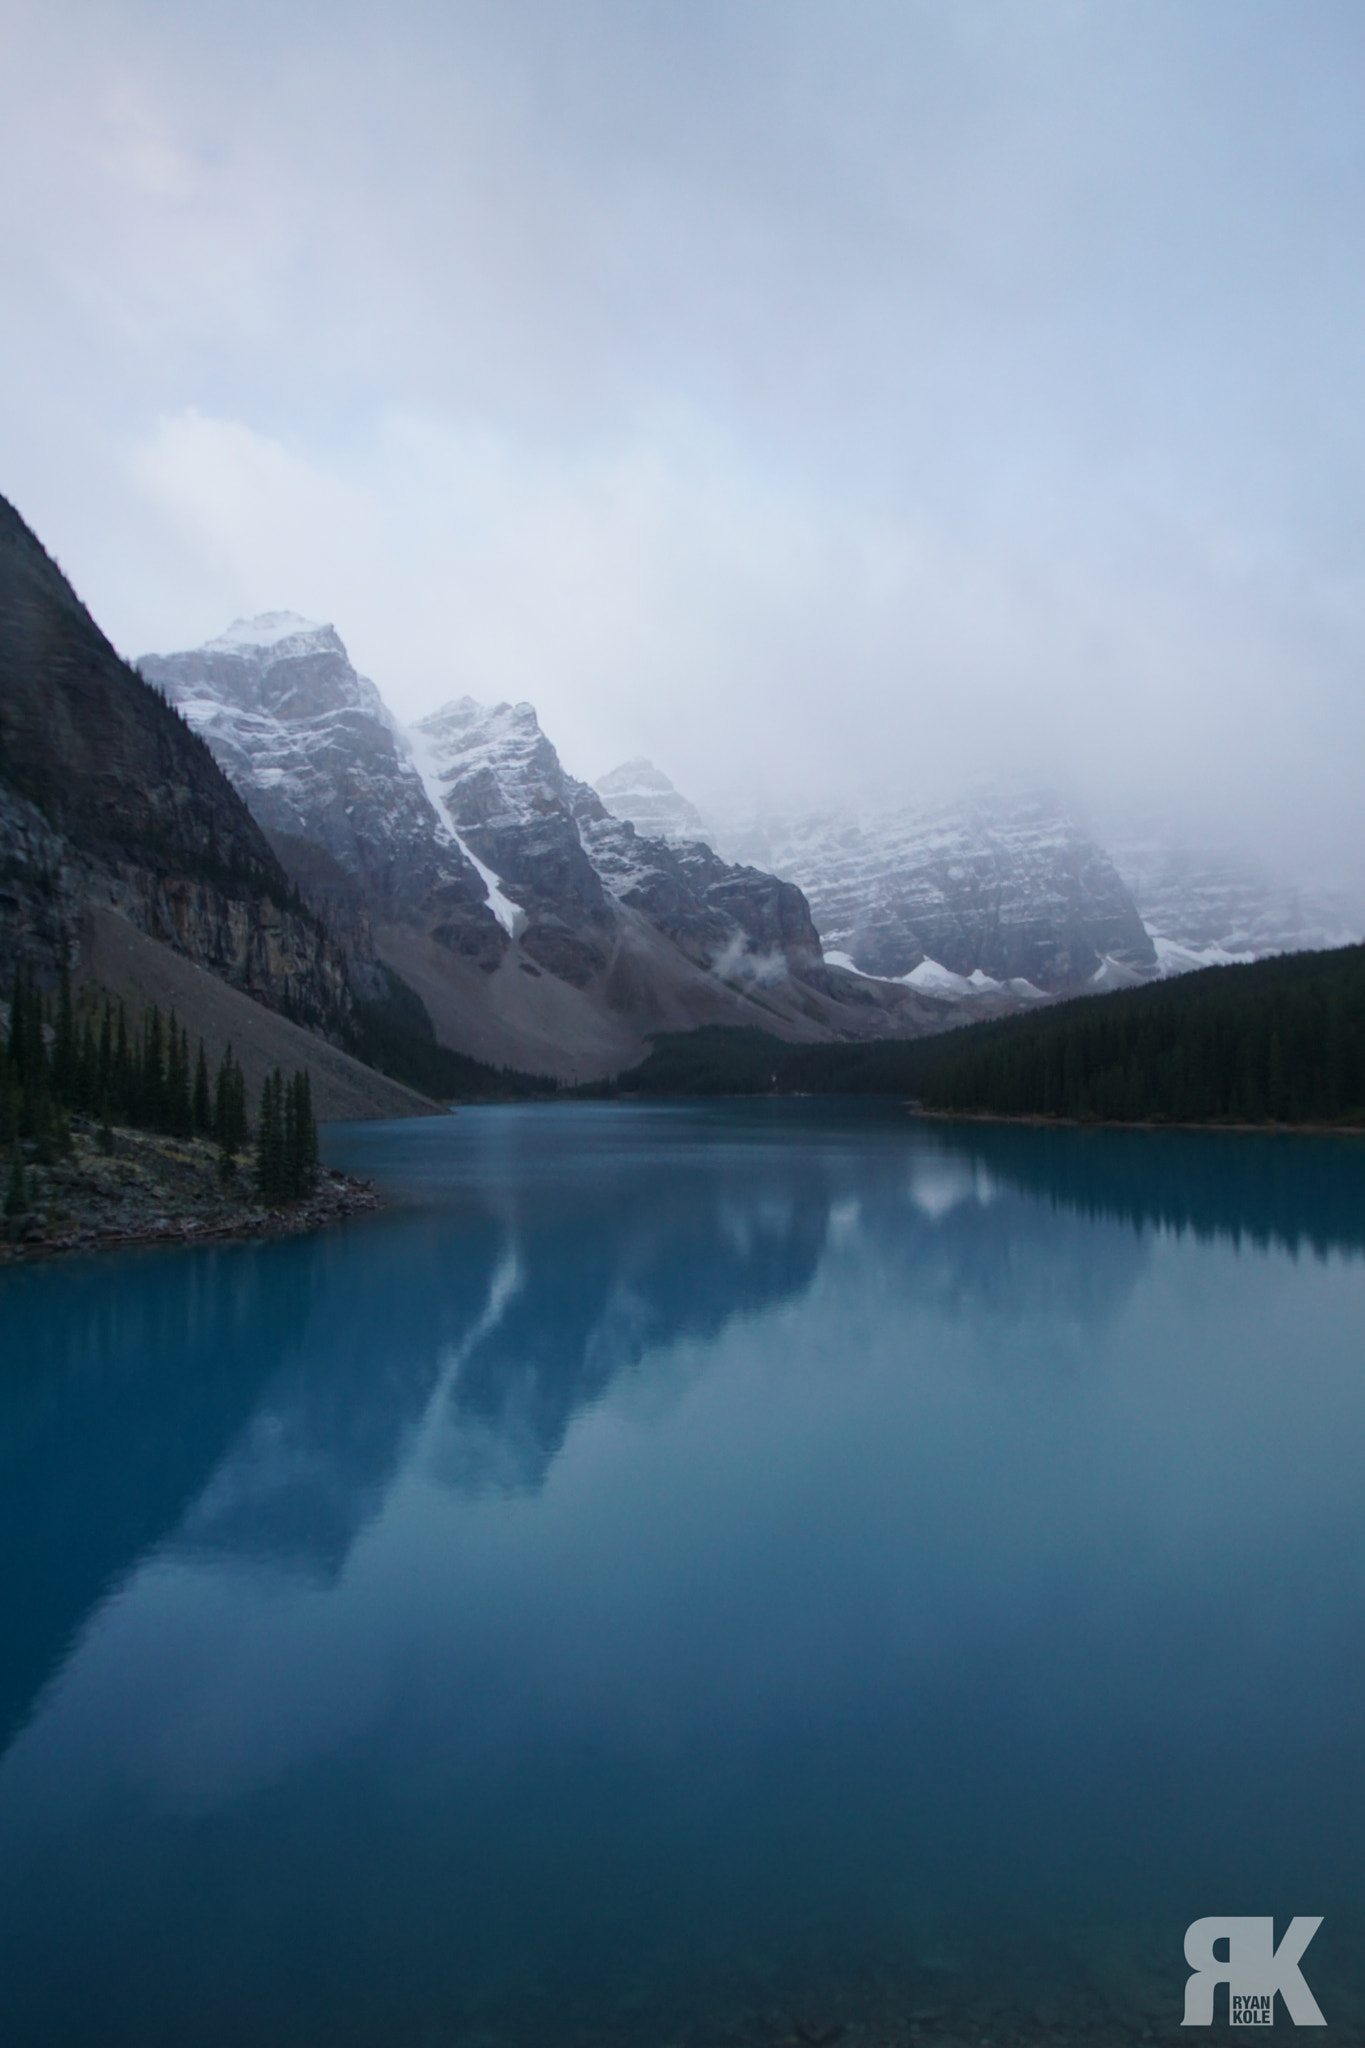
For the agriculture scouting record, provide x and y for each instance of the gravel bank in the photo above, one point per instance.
(145, 1189)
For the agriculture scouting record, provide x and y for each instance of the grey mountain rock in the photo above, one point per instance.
(109, 802)
(539, 929)
(570, 869)
(1007, 888)
(320, 761)
(501, 789)
(642, 795)
(1204, 907)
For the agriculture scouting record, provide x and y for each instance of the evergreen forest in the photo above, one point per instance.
(62, 1057)
(1279, 1041)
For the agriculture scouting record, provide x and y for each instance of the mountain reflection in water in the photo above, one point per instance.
(192, 1443)
(258, 1400)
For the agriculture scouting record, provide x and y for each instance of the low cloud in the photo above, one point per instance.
(831, 412)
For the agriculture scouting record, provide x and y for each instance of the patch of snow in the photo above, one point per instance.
(1115, 974)
(266, 630)
(933, 980)
(902, 883)
(641, 793)
(502, 743)
(510, 915)
(1173, 958)
(848, 964)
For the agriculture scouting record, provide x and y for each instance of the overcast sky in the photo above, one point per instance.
(823, 399)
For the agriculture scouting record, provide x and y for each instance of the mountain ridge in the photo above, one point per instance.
(1010, 888)
(109, 798)
(537, 928)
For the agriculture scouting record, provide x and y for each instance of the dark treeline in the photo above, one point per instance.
(1279, 1041)
(398, 1038)
(286, 1139)
(60, 1058)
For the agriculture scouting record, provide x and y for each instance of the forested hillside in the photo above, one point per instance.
(1279, 1041)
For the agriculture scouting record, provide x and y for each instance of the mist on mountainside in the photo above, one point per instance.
(472, 861)
(835, 411)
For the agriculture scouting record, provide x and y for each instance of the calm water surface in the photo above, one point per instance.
(688, 1575)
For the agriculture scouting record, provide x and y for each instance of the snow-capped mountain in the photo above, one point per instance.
(499, 782)
(1205, 908)
(1002, 890)
(539, 929)
(643, 796)
(319, 758)
(112, 814)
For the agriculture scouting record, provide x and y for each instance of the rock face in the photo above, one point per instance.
(108, 798)
(1008, 889)
(1204, 908)
(539, 929)
(310, 745)
(502, 793)
(564, 860)
(642, 795)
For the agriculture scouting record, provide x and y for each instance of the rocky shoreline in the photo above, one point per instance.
(127, 1187)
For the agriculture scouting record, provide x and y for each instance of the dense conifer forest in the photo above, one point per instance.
(62, 1057)
(1278, 1041)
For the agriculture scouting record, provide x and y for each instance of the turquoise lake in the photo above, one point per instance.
(685, 1574)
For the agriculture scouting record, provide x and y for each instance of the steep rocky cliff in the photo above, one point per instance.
(319, 759)
(109, 799)
(643, 796)
(1008, 887)
(539, 929)
(1205, 907)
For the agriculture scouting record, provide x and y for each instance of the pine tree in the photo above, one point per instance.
(152, 1079)
(102, 1086)
(271, 1161)
(16, 1194)
(308, 1136)
(301, 1138)
(11, 1099)
(179, 1111)
(229, 1109)
(64, 1051)
(121, 1091)
(26, 1048)
(18, 1014)
(202, 1106)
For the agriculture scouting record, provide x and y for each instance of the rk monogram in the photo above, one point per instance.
(1254, 1971)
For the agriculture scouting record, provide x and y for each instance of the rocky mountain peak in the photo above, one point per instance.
(270, 629)
(318, 756)
(1207, 906)
(471, 848)
(494, 764)
(639, 792)
(110, 802)
(1003, 883)
(278, 664)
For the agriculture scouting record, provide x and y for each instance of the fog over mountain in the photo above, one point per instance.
(835, 407)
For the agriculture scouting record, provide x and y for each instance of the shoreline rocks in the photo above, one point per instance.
(139, 1188)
